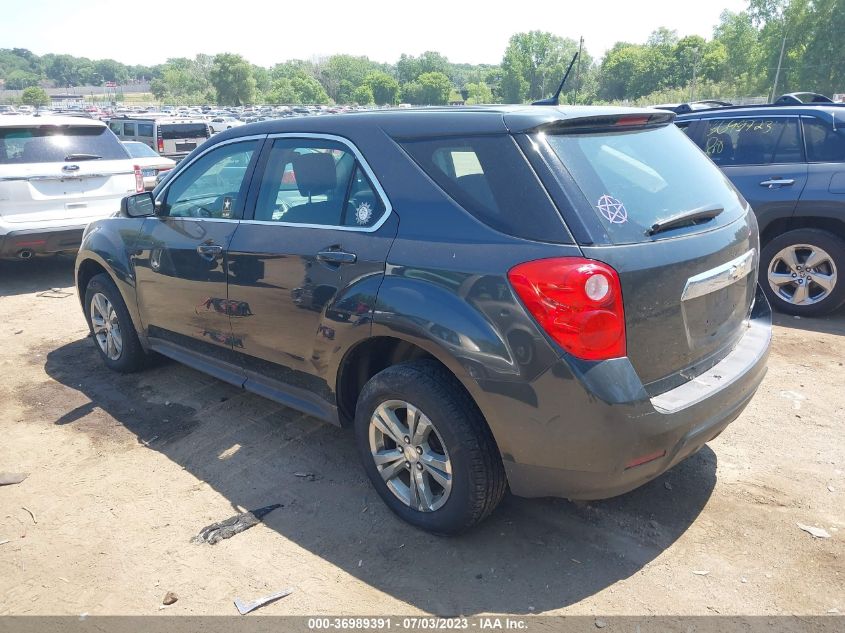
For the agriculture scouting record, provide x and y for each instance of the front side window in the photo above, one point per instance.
(317, 183)
(214, 186)
(752, 141)
(116, 127)
(824, 144)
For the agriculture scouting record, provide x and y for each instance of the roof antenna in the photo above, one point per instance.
(555, 98)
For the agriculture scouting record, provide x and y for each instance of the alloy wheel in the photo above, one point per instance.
(106, 326)
(802, 274)
(410, 455)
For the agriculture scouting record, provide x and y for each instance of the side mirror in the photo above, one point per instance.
(140, 205)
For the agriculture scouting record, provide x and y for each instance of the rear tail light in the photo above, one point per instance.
(161, 146)
(139, 179)
(577, 301)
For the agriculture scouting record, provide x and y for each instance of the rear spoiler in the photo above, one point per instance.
(606, 123)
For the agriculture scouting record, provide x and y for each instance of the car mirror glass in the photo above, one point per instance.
(138, 206)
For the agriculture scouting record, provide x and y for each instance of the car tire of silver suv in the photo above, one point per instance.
(427, 449)
(802, 272)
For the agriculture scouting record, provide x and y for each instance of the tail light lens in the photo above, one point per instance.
(161, 146)
(139, 179)
(577, 301)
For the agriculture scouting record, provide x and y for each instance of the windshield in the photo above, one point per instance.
(635, 179)
(139, 150)
(170, 131)
(57, 143)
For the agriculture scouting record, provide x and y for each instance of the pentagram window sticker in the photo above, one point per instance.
(612, 209)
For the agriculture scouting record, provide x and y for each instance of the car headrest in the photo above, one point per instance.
(315, 173)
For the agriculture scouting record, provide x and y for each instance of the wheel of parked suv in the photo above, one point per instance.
(801, 272)
(111, 326)
(427, 449)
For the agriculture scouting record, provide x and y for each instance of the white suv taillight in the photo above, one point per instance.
(139, 179)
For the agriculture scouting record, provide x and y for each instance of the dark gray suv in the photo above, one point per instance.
(561, 301)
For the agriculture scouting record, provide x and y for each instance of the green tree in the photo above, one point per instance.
(34, 96)
(342, 74)
(363, 95)
(231, 76)
(478, 93)
(385, 89)
(409, 68)
(534, 64)
(428, 89)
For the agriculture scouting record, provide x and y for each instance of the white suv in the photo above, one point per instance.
(57, 174)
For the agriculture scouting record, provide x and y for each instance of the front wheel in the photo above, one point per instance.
(799, 272)
(111, 326)
(427, 449)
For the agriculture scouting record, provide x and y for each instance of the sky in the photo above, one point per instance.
(268, 32)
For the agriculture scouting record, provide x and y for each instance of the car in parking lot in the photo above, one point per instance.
(56, 175)
(568, 306)
(220, 123)
(788, 160)
(171, 137)
(151, 163)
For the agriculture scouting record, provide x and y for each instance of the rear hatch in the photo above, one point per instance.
(684, 242)
(177, 140)
(67, 173)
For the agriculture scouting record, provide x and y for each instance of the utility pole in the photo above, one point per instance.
(578, 71)
(780, 61)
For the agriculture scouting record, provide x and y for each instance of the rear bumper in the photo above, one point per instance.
(27, 242)
(585, 448)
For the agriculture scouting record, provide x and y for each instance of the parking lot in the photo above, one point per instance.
(125, 470)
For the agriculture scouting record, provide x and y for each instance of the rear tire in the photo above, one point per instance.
(802, 272)
(452, 460)
(111, 326)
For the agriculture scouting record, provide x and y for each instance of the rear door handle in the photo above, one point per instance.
(777, 182)
(210, 250)
(336, 257)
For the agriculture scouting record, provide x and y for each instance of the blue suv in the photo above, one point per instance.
(788, 160)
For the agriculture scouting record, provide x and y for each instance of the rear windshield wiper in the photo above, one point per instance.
(687, 218)
(82, 157)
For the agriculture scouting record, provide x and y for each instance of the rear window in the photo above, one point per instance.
(171, 131)
(55, 143)
(634, 179)
(489, 177)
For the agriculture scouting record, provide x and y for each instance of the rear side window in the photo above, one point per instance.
(634, 179)
(824, 144)
(145, 129)
(57, 143)
(172, 131)
(752, 141)
(489, 177)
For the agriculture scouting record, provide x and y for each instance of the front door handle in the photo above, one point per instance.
(336, 257)
(210, 250)
(777, 182)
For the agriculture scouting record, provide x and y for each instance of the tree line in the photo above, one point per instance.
(796, 42)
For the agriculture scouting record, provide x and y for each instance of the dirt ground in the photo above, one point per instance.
(124, 470)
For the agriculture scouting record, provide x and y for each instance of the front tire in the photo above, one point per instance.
(111, 326)
(802, 271)
(427, 449)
